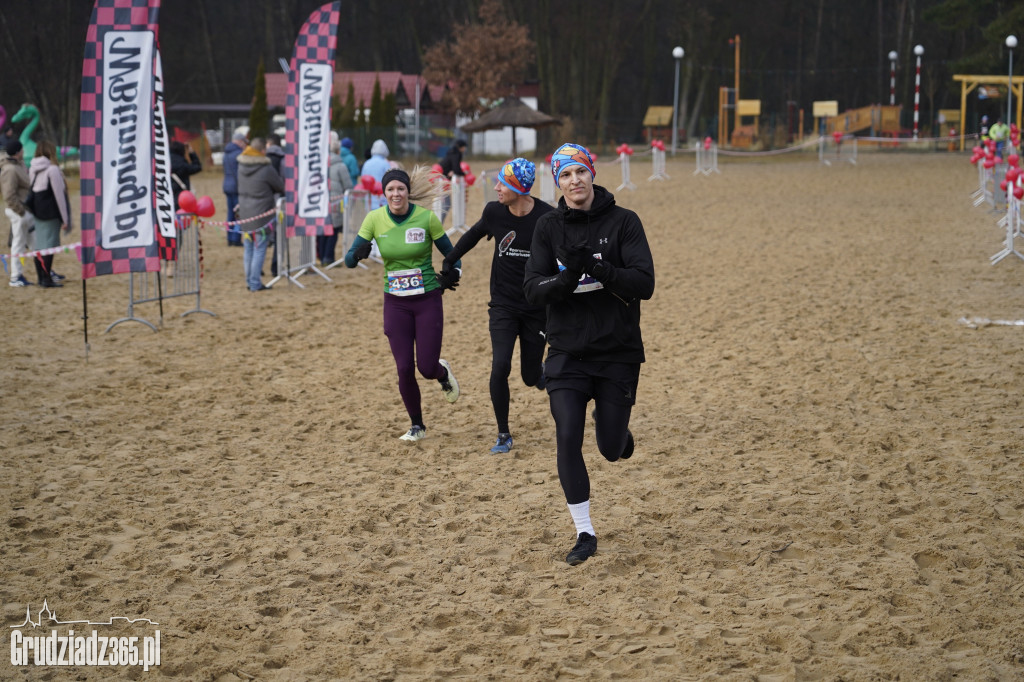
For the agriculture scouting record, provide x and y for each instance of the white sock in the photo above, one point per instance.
(581, 517)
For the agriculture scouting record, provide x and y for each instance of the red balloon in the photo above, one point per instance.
(1018, 192)
(470, 179)
(989, 163)
(837, 136)
(707, 143)
(437, 168)
(367, 182)
(464, 166)
(204, 207)
(1002, 185)
(1012, 174)
(378, 189)
(1013, 160)
(187, 201)
(975, 160)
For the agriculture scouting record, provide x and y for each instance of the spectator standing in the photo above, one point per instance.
(231, 152)
(451, 166)
(184, 164)
(52, 210)
(7, 137)
(275, 152)
(258, 182)
(338, 182)
(15, 187)
(376, 166)
(351, 162)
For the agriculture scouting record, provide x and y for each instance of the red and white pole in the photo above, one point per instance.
(918, 50)
(892, 78)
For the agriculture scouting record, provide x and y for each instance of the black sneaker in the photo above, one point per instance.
(586, 547)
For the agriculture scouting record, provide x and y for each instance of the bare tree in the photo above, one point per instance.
(484, 62)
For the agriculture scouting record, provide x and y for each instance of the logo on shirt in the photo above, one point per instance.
(415, 235)
(506, 242)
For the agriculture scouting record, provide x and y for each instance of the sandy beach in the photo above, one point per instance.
(826, 485)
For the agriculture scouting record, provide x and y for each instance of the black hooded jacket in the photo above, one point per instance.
(587, 319)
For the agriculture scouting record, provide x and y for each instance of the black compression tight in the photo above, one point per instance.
(530, 356)
(569, 408)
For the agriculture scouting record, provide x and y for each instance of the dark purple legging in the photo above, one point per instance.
(414, 326)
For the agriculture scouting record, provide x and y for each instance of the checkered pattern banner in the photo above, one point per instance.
(308, 111)
(116, 139)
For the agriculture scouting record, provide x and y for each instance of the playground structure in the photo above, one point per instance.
(969, 83)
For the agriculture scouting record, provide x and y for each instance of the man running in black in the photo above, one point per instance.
(591, 265)
(510, 221)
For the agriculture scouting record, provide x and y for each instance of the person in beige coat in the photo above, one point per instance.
(15, 186)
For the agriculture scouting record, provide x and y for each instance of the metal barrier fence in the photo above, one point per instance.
(457, 190)
(355, 207)
(707, 158)
(658, 165)
(295, 255)
(845, 150)
(147, 287)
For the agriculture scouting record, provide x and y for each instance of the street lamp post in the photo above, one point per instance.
(918, 50)
(677, 52)
(1011, 42)
(892, 78)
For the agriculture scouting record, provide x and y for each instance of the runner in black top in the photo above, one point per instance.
(510, 221)
(591, 264)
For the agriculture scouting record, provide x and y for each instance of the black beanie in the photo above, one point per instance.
(396, 174)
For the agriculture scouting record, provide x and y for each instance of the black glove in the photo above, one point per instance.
(363, 251)
(575, 257)
(449, 277)
(600, 270)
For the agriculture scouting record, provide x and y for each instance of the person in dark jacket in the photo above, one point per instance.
(275, 152)
(590, 264)
(510, 221)
(258, 182)
(231, 151)
(184, 164)
(451, 166)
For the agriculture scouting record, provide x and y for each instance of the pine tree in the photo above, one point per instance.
(336, 112)
(259, 116)
(389, 110)
(361, 115)
(348, 114)
(376, 106)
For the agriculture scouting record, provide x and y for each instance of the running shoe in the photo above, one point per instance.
(504, 443)
(414, 434)
(20, 282)
(57, 277)
(586, 547)
(449, 384)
